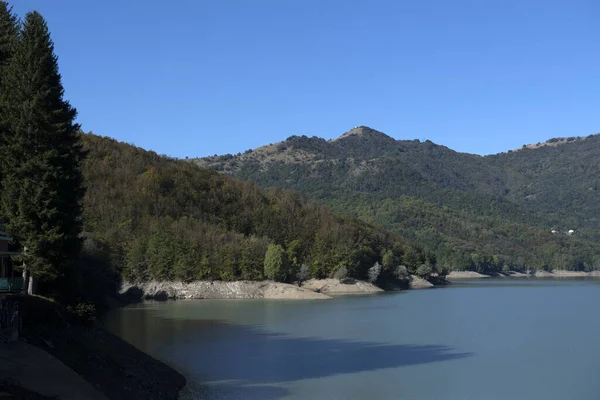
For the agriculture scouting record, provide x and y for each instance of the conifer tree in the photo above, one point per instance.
(9, 35)
(41, 155)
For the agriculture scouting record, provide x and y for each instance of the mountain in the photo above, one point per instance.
(150, 217)
(473, 212)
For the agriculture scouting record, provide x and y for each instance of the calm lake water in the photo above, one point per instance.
(483, 339)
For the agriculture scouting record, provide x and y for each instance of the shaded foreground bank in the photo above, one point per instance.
(112, 367)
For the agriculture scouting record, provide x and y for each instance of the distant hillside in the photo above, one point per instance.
(473, 212)
(153, 217)
(551, 142)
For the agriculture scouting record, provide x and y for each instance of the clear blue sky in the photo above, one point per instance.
(198, 77)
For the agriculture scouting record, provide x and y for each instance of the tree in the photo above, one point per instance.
(302, 274)
(9, 36)
(424, 270)
(389, 260)
(402, 273)
(341, 273)
(374, 272)
(41, 156)
(276, 263)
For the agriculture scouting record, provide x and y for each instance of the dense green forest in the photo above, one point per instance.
(153, 217)
(477, 213)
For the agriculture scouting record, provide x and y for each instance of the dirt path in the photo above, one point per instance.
(34, 369)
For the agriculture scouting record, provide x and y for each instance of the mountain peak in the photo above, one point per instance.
(366, 132)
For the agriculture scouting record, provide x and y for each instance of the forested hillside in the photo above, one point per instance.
(473, 212)
(559, 179)
(152, 217)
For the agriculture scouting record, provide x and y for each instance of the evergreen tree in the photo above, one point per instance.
(9, 38)
(41, 155)
(9, 35)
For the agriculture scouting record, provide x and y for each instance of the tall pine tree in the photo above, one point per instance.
(41, 155)
(9, 39)
(9, 35)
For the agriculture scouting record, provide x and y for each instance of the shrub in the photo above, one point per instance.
(374, 272)
(341, 273)
(424, 270)
(401, 272)
(85, 311)
(302, 274)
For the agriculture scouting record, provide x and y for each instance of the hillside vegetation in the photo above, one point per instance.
(152, 217)
(476, 213)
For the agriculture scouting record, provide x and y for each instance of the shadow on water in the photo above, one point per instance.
(251, 354)
(247, 362)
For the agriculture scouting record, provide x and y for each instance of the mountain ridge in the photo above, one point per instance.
(520, 192)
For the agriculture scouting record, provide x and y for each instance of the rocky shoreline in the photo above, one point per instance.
(514, 274)
(313, 289)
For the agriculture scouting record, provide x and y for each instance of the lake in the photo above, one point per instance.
(476, 339)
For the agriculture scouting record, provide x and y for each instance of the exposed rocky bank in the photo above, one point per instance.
(217, 290)
(333, 287)
(313, 289)
(514, 274)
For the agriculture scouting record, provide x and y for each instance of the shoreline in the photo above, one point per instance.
(514, 274)
(312, 289)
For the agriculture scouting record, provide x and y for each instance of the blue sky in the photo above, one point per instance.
(195, 77)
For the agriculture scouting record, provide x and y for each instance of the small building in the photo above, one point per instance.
(570, 232)
(10, 280)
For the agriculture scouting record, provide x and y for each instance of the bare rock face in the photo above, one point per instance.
(333, 287)
(216, 290)
(417, 282)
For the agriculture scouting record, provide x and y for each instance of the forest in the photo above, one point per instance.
(486, 214)
(150, 217)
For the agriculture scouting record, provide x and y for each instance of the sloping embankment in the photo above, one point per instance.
(110, 365)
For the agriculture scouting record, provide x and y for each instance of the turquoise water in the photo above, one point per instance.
(483, 339)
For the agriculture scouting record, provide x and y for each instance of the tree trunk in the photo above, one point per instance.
(31, 288)
(25, 280)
